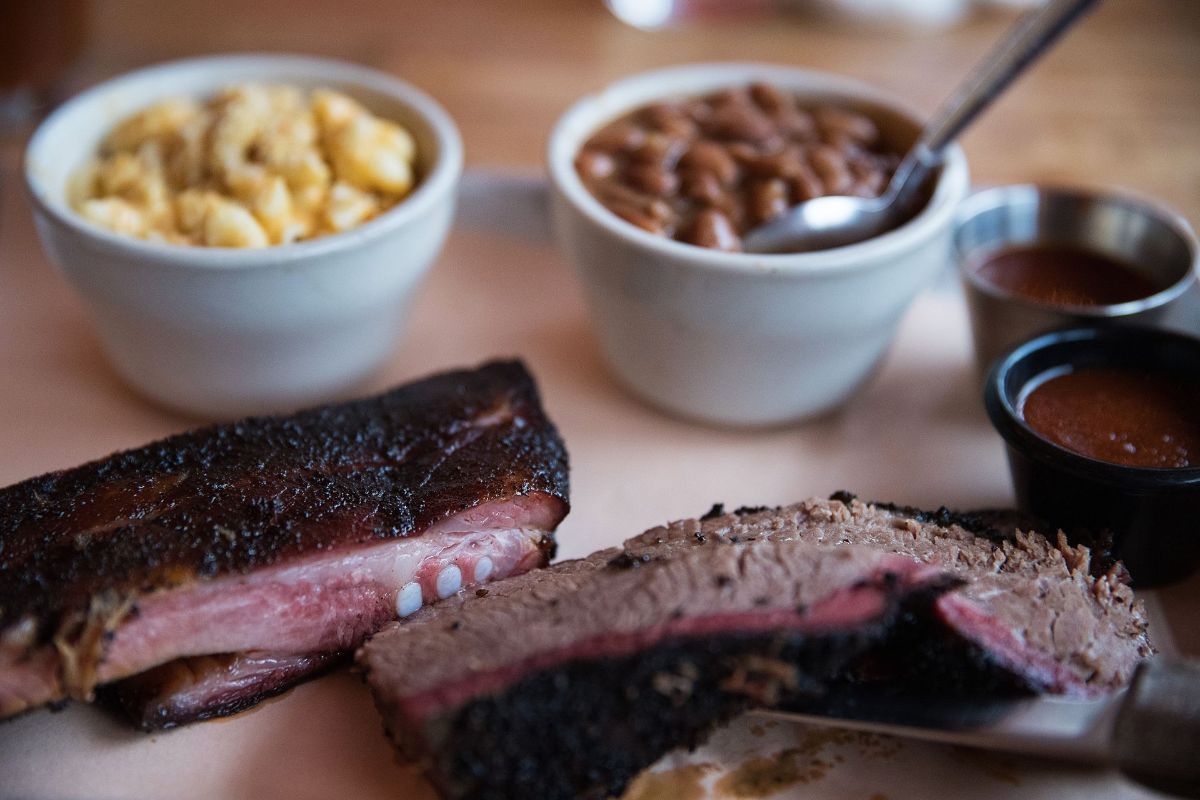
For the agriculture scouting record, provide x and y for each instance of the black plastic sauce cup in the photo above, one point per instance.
(1153, 515)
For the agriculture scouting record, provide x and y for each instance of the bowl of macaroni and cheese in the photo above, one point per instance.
(248, 231)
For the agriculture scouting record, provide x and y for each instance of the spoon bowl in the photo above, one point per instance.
(823, 223)
(838, 220)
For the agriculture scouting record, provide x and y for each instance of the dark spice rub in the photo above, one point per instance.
(833, 590)
(705, 170)
(284, 535)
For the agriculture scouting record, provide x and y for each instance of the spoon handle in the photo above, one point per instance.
(1028, 39)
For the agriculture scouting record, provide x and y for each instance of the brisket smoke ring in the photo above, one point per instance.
(274, 541)
(606, 642)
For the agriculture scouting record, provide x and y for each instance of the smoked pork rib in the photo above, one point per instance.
(275, 537)
(205, 687)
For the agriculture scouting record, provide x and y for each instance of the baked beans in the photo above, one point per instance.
(706, 170)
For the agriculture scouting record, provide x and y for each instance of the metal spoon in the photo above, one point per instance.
(838, 220)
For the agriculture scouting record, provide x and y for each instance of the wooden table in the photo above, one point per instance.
(1116, 104)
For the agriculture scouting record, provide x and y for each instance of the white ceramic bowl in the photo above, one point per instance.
(223, 332)
(735, 338)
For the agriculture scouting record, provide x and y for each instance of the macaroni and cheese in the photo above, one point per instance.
(254, 166)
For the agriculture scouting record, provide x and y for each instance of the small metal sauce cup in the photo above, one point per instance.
(1147, 237)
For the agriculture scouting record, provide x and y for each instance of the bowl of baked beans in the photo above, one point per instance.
(655, 180)
(247, 231)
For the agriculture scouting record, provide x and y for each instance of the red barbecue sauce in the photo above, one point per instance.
(1064, 275)
(1119, 415)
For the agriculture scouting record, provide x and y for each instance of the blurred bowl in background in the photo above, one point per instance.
(737, 338)
(1152, 241)
(220, 332)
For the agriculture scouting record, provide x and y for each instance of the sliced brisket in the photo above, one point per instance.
(563, 682)
(292, 537)
(1030, 607)
(566, 682)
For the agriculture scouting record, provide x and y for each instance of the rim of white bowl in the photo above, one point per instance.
(437, 182)
(592, 111)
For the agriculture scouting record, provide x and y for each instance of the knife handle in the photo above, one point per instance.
(1156, 739)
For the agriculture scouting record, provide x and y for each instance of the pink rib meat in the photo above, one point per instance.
(320, 603)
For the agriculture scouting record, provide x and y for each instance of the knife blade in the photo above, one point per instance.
(1150, 730)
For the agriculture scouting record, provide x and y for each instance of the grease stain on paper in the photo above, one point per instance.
(809, 761)
(681, 783)
(768, 775)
